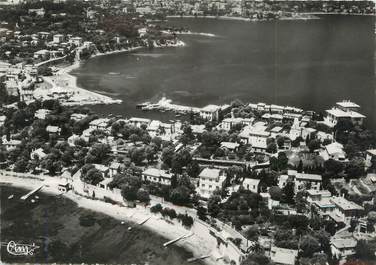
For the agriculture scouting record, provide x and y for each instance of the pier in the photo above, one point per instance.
(166, 105)
(26, 196)
(144, 221)
(197, 258)
(177, 239)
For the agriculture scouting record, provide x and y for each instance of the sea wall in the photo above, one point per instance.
(92, 191)
(21, 175)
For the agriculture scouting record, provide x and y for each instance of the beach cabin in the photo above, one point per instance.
(63, 187)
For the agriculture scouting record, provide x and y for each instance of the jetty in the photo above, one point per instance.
(197, 258)
(165, 104)
(26, 196)
(144, 221)
(177, 239)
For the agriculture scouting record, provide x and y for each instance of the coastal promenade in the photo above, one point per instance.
(203, 242)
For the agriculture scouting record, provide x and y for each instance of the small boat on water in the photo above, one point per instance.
(141, 105)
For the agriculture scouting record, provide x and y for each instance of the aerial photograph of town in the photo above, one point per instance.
(176, 132)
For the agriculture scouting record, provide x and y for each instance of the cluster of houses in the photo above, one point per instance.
(254, 133)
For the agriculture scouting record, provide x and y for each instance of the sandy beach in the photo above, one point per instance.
(63, 82)
(198, 244)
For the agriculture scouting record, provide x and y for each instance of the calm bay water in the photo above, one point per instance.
(53, 224)
(309, 64)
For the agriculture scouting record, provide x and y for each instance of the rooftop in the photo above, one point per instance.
(52, 129)
(229, 145)
(334, 148)
(251, 181)
(325, 193)
(210, 108)
(134, 119)
(348, 242)
(345, 204)
(283, 255)
(372, 152)
(304, 176)
(101, 121)
(100, 167)
(347, 104)
(336, 112)
(155, 172)
(212, 173)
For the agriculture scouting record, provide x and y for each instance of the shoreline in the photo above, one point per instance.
(64, 82)
(197, 244)
(96, 98)
(299, 17)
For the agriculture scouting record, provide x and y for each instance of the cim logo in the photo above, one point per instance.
(17, 249)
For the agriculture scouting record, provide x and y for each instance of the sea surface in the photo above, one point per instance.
(53, 224)
(305, 63)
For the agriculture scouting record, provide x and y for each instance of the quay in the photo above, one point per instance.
(26, 196)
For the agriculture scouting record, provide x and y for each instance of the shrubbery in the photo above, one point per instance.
(185, 219)
(156, 208)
